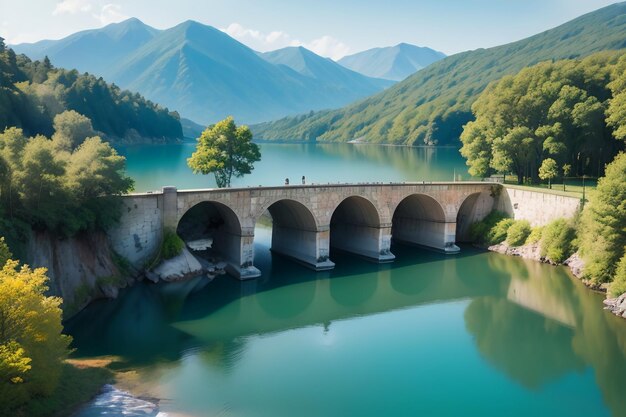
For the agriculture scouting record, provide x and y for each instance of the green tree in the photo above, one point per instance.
(552, 110)
(226, 151)
(567, 169)
(603, 240)
(548, 170)
(70, 129)
(616, 112)
(60, 190)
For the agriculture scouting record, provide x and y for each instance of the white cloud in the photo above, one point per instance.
(258, 40)
(110, 13)
(329, 46)
(325, 46)
(72, 7)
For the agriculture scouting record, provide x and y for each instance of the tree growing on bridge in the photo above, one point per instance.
(226, 151)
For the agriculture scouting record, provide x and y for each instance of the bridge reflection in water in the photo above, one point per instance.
(528, 320)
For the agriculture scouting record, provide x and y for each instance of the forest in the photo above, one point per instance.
(566, 116)
(32, 93)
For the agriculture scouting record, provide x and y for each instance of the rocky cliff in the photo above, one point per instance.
(81, 269)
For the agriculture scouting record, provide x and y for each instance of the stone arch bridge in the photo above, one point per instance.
(307, 220)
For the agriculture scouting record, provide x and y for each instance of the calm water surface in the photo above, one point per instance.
(152, 167)
(477, 334)
(474, 334)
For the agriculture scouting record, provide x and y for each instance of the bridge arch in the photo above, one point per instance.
(295, 234)
(355, 226)
(472, 208)
(216, 221)
(420, 219)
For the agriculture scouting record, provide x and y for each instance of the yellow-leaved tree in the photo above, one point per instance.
(32, 347)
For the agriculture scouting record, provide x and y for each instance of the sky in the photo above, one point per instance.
(332, 28)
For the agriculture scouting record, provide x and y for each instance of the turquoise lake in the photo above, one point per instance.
(478, 333)
(153, 167)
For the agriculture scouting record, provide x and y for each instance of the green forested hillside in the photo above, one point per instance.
(562, 114)
(432, 106)
(33, 92)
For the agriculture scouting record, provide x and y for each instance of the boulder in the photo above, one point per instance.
(179, 267)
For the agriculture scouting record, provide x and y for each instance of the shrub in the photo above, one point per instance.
(479, 231)
(535, 235)
(498, 233)
(518, 233)
(172, 245)
(618, 286)
(557, 242)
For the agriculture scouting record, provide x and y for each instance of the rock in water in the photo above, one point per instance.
(179, 267)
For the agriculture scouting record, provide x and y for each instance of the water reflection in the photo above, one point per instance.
(535, 328)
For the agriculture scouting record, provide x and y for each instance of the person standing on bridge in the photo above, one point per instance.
(286, 181)
(303, 180)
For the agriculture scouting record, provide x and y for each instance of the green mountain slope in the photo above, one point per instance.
(431, 106)
(393, 62)
(202, 72)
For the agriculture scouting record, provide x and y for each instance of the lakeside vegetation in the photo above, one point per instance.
(58, 185)
(598, 233)
(550, 120)
(32, 93)
(35, 378)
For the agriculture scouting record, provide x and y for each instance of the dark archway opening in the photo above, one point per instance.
(355, 228)
(465, 217)
(216, 225)
(294, 233)
(419, 219)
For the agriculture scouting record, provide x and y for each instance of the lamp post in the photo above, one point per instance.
(583, 191)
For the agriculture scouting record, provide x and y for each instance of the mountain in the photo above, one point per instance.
(314, 66)
(93, 50)
(393, 62)
(203, 73)
(431, 106)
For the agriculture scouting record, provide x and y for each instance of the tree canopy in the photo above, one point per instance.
(226, 151)
(52, 185)
(603, 241)
(563, 110)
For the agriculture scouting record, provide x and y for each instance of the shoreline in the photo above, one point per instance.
(574, 264)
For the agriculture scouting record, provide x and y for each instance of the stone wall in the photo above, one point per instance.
(137, 236)
(537, 206)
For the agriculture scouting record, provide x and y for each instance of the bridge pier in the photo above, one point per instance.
(238, 252)
(371, 242)
(431, 234)
(308, 247)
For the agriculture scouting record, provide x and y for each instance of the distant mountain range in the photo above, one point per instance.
(432, 105)
(393, 62)
(205, 74)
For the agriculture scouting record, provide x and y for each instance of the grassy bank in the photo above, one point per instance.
(573, 187)
(80, 381)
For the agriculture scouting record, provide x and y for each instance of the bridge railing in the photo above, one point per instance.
(328, 185)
